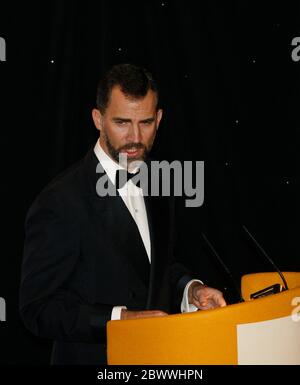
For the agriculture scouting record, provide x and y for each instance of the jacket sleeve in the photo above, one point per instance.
(48, 307)
(180, 273)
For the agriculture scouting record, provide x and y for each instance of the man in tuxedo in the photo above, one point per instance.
(90, 258)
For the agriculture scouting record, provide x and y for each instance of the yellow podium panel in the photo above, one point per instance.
(252, 283)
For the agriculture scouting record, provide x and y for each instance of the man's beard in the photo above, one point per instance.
(114, 152)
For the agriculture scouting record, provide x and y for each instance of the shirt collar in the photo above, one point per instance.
(108, 164)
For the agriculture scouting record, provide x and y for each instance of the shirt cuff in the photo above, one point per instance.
(187, 307)
(116, 312)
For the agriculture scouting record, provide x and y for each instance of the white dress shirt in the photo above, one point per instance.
(134, 201)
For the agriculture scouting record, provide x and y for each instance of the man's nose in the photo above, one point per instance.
(134, 134)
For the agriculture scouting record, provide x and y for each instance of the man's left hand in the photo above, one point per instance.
(204, 297)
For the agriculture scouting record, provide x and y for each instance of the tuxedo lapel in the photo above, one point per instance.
(123, 231)
(158, 213)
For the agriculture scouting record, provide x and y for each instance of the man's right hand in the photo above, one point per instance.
(129, 314)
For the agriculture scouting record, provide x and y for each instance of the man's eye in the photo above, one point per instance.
(121, 123)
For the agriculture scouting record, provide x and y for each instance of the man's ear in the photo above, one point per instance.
(158, 117)
(97, 118)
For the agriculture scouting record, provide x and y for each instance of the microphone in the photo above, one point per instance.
(271, 289)
(212, 249)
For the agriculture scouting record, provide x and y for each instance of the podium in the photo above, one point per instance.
(261, 331)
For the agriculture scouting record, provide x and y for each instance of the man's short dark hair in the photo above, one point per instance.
(133, 81)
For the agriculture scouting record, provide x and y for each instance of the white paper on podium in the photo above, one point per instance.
(273, 342)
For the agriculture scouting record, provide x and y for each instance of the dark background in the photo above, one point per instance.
(231, 98)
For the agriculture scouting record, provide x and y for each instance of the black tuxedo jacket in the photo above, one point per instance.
(83, 255)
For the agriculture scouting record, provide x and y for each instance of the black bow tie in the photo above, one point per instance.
(123, 176)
